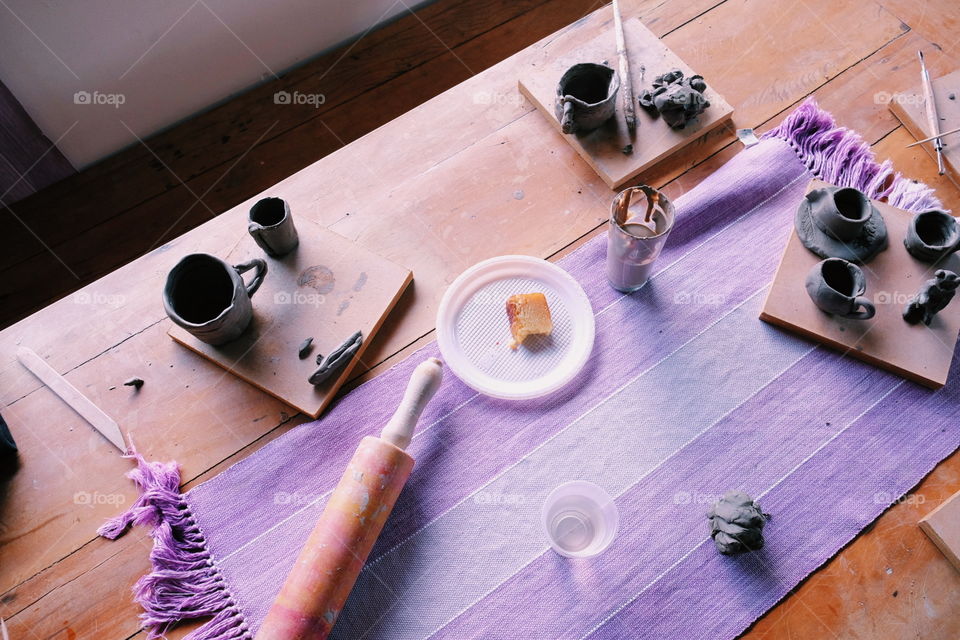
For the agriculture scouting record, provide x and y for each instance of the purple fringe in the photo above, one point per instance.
(840, 156)
(185, 583)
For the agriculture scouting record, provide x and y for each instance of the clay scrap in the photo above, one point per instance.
(337, 359)
(736, 524)
(305, 348)
(679, 100)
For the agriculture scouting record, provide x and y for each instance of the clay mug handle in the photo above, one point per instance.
(261, 271)
(868, 309)
(566, 124)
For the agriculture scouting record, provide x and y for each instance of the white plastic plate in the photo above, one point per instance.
(473, 331)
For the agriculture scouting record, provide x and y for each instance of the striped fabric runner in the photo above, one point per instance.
(687, 394)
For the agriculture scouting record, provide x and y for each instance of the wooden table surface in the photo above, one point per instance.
(445, 175)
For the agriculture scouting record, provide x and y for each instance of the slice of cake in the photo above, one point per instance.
(529, 315)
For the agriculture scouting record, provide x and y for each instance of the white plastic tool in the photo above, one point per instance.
(473, 330)
(69, 394)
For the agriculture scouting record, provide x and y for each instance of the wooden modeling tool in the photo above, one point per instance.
(932, 117)
(626, 82)
(69, 394)
(328, 565)
(931, 138)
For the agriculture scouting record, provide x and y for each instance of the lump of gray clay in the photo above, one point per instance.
(736, 524)
(337, 359)
(679, 100)
(932, 298)
(305, 348)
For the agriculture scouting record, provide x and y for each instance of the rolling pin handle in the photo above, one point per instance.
(423, 384)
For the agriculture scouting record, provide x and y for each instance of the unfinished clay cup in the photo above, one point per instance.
(586, 97)
(271, 225)
(932, 235)
(208, 297)
(841, 222)
(837, 287)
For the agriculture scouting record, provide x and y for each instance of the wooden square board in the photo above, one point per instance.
(603, 148)
(942, 526)
(328, 288)
(910, 109)
(916, 352)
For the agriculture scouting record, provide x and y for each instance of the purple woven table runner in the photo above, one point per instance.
(687, 394)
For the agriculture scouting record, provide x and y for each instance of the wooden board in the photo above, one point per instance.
(603, 148)
(942, 526)
(327, 289)
(917, 352)
(910, 109)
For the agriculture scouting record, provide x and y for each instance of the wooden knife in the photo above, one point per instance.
(69, 394)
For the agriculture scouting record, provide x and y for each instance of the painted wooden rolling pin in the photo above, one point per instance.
(326, 569)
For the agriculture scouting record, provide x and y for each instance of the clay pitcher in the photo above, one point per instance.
(586, 97)
(271, 225)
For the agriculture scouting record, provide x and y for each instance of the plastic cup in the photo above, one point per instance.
(633, 242)
(580, 519)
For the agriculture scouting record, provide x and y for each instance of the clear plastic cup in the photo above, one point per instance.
(580, 519)
(638, 230)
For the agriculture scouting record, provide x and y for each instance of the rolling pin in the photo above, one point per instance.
(317, 586)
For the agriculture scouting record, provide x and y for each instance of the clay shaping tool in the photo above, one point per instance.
(317, 586)
(942, 135)
(69, 394)
(629, 110)
(932, 116)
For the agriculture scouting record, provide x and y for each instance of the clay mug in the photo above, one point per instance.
(271, 225)
(586, 97)
(842, 213)
(837, 287)
(208, 297)
(932, 235)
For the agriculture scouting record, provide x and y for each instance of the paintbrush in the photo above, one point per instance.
(932, 116)
(942, 135)
(317, 586)
(629, 110)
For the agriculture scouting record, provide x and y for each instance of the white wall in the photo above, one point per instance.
(164, 59)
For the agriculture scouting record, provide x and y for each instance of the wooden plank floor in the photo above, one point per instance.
(90, 224)
(764, 56)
